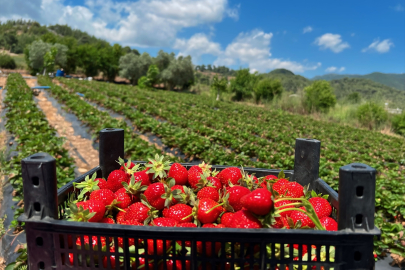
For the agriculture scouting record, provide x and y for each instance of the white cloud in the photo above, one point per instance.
(140, 23)
(333, 69)
(332, 42)
(399, 7)
(307, 29)
(380, 47)
(253, 49)
(196, 46)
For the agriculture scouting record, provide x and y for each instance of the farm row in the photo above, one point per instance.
(261, 138)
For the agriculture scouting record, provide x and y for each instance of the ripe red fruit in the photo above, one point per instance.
(244, 219)
(111, 261)
(209, 225)
(137, 211)
(179, 173)
(160, 249)
(329, 224)
(154, 194)
(142, 265)
(105, 196)
(131, 222)
(220, 226)
(270, 177)
(179, 265)
(208, 192)
(208, 248)
(124, 198)
(180, 187)
(164, 222)
(194, 177)
(321, 206)
(281, 203)
(305, 220)
(102, 184)
(143, 177)
(295, 190)
(115, 179)
(281, 222)
(107, 220)
(92, 206)
(231, 174)
(206, 205)
(178, 212)
(215, 182)
(281, 186)
(258, 201)
(94, 243)
(187, 225)
(235, 195)
(120, 215)
(226, 219)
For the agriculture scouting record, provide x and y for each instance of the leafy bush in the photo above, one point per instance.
(354, 98)
(319, 96)
(267, 89)
(6, 61)
(242, 85)
(371, 115)
(398, 123)
(144, 82)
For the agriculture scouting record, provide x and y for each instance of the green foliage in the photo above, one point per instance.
(89, 59)
(153, 74)
(319, 97)
(398, 123)
(49, 59)
(354, 98)
(243, 84)
(178, 73)
(144, 82)
(371, 115)
(267, 89)
(218, 86)
(6, 61)
(291, 82)
(36, 54)
(109, 61)
(133, 67)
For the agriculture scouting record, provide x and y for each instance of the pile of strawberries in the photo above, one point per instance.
(164, 195)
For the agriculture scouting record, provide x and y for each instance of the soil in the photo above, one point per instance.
(80, 149)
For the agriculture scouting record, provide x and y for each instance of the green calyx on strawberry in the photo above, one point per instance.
(87, 186)
(128, 167)
(134, 187)
(78, 213)
(248, 181)
(208, 181)
(159, 167)
(185, 196)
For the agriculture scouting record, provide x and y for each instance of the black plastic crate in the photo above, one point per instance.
(50, 241)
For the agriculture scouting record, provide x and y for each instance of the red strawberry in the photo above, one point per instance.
(305, 220)
(243, 219)
(207, 205)
(123, 198)
(187, 225)
(115, 179)
(88, 211)
(281, 203)
(295, 190)
(281, 186)
(102, 183)
(208, 192)
(281, 222)
(94, 243)
(111, 261)
(180, 187)
(226, 219)
(215, 182)
(137, 211)
(143, 177)
(160, 249)
(220, 226)
(164, 222)
(209, 225)
(131, 222)
(270, 177)
(258, 202)
(89, 185)
(107, 220)
(97, 207)
(179, 173)
(329, 224)
(71, 257)
(154, 194)
(208, 248)
(235, 195)
(321, 206)
(120, 215)
(231, 174)
(142, 265)
(105, 196)
(193, 178)
(178, 212)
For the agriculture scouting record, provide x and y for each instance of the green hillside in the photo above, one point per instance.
(290, 81)
(392, 80)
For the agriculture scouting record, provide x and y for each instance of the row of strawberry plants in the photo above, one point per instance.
(190, 143)
(32, 134)
(341, 145)
(135, 147)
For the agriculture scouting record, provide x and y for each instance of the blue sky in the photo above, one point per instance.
(308, 37)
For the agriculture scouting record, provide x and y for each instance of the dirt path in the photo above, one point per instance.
(81, 149)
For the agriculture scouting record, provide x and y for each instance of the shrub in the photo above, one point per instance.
(354, 98)
(319, 96)
(371, 115)
(144, 82)
(267, 89)
(242, 85)
(6, 61)
(398, 124)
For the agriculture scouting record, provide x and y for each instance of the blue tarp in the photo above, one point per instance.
(41, 87)
(60, 73)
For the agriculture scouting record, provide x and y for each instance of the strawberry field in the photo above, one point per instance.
(233, 134)
(215, 132)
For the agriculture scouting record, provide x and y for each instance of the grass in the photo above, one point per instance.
(20, 61)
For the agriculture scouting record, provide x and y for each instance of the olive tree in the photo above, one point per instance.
(133, 67)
